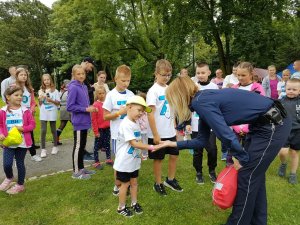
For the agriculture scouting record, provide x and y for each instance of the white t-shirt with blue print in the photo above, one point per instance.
(15, 118)
(26, 98)
(48, 110)
(128, 158)
(195, 116)
(164, 119)
(113, 102)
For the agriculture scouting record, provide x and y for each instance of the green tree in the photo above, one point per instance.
(24, 32)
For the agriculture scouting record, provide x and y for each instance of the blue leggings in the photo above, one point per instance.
(8, 158)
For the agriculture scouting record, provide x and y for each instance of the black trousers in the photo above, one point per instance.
(80, 137)
(211, 149)
(263, 143)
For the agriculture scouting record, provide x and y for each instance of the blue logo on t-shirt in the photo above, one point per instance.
(165, 107)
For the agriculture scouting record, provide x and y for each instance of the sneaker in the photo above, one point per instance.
(59, 143)
(54, 151)
(89, 172)
(43, 153)
(160, 189)
(16, 189)
(115, 192)
(81, 175)
(88, 158)
(98, 166)
(213, 177)
(282, 170)
(224, 156)
(36, 146)
(109, 162)
(36, 158)
(125, 212)
(173, 184)
(6, 184)
(137, 208)
(199, 178)
(293, 178)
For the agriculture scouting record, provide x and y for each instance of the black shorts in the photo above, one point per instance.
(160, 154)
(293, 141)
(125, 177)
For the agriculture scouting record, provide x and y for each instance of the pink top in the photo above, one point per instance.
(273, 87)
(28, 124)
(244, 128)
(218, 81)
(97, 118)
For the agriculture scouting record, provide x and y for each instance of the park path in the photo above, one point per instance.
(52, 163)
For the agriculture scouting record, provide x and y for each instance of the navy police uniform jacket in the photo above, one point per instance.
(219, 109)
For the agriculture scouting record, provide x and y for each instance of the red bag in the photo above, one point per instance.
(225, 188)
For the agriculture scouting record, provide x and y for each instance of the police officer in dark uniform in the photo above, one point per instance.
(219, 109)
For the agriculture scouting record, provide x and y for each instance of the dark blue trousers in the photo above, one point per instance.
(102, 143)
(263, 143)
(8, 158)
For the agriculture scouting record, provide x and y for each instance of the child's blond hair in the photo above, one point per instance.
(97, 90)
(123, 70)
(162, 65)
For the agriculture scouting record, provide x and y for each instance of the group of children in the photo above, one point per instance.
(131, 126)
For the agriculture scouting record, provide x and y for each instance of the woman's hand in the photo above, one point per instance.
(236, 163)
(20, 128)
(91, 109)
(165, 144)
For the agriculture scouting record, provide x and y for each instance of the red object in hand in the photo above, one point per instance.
(225, 188)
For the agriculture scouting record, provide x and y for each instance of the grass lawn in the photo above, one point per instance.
(59, 199)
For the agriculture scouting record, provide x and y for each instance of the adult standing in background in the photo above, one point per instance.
(6, 83)
(231, 79)
(88, 65)
(297, 68)
(270, 82)
(218, 80)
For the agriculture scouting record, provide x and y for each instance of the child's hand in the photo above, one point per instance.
(156, 139)
(2, 137)
(20, 128)
(122, 110)
(91, 109)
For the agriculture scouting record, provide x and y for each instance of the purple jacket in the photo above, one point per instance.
(77, 102)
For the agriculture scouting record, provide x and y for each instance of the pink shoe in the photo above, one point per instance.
(6, 184)
(15, 189)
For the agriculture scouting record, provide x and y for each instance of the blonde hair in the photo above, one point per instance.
(248, 66)
(286, 71)
(27, 82)
(162, 65)
(75, 68)
(43, 86)
(271, 66)
(293, 81)
(179, 95)
(97, 90)
(123, 70)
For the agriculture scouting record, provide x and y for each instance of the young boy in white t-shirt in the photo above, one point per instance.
(162, 128)
(128, 155)
(114, 107)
